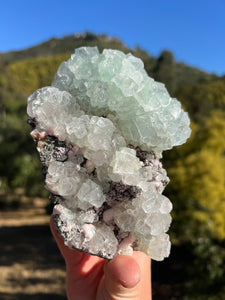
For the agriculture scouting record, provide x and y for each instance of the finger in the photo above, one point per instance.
(127, 277)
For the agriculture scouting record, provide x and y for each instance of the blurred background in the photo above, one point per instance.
(182, 44)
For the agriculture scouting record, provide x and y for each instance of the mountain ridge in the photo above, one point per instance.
(164, 68)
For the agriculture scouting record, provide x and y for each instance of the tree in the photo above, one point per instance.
(164, 70)
(201, 99)
(197, 190)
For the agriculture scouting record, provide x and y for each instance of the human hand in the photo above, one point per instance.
(93, 278)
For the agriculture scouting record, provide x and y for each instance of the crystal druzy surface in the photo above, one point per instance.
(100, 130)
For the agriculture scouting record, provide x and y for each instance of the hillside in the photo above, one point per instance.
(182, 73)
(66, 44)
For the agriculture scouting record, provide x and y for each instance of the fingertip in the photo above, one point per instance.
(124, 270)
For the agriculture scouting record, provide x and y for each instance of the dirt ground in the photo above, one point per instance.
(31, 266)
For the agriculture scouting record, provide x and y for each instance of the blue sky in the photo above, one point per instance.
(193, 29)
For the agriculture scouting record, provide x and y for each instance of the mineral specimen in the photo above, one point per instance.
(100, 130)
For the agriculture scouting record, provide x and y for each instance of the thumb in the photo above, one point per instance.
(127, 277)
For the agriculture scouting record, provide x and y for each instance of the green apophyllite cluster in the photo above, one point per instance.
(100, 130)
(117, 84)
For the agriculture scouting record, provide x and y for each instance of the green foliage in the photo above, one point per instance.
(186, 75)
(197, 172)
(19, 163)
(197, 190)
(34, 73)
(201, 99)
(207, 271)
(198, 181)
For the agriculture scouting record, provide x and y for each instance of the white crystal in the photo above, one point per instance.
(90, 194)
(103, 241)
(125, 162)
(158, 223)
(165, 205)
(159, 247)
(125, 220)
(68, 186)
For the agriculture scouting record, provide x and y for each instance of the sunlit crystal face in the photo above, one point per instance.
(100, 129)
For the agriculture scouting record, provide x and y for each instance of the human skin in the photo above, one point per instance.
(93, 278)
